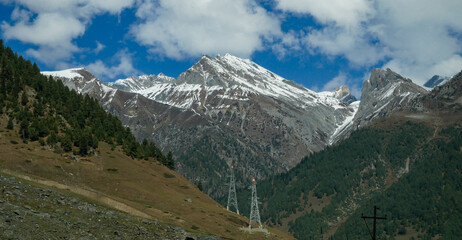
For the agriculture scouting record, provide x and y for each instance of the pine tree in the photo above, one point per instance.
(66, 143)
(83, 144)
(24, 99)
(10, 123)
(52, 139)
(24, 130)
(169, 161)
(33, 134)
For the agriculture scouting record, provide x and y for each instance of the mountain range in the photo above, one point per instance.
(227, 109)
(403, 153)
(68, 169)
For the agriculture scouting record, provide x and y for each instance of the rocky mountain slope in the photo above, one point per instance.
(239, 110)
(227, 109)
(253, 103)
(384, 93)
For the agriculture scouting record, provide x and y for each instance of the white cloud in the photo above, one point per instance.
(47, 29)
(343, 13)
(417, 38)
(99, 47)
(352, 44)
(339, 80)
(52, 25)
(19, 14)
(183, 28)
(124, 67)
(289, 43)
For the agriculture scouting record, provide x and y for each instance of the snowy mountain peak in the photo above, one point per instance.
(226, 77)
(229, 71)
(74, 78)
(67, 73)
(380, 78)
(84, 82)
(384, 93)
(436, 81)
(135, 84)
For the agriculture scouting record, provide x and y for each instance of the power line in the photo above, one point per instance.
(254, 212)
(232, 199)
(375, 218)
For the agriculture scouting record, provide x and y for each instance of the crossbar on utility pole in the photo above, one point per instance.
(374, 229)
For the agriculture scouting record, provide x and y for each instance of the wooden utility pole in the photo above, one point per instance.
(374, 230)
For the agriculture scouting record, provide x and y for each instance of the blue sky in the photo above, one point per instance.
(319, 44)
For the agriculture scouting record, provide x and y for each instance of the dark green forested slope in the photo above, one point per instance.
(211, 152)
(42, 109)
(428, 199)
(327, 188)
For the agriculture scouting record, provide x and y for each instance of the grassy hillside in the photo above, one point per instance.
(58, 139)
(409, 168)
(111, 178)
(33, 211)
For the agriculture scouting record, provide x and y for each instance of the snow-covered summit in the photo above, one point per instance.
(83, 82)
(225, 77)
(136, 84)
(436, 81)
(68, 73)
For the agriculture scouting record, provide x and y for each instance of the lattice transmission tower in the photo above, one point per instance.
(254, 212)
(232, 199)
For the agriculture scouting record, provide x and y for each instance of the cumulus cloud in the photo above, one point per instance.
(417, 38)
(52, 25)
(124, 67)
(340, 12)
(182, 28)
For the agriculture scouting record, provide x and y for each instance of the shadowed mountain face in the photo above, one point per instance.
(227, 109)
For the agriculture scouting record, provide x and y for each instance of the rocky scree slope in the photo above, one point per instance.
(31, 212)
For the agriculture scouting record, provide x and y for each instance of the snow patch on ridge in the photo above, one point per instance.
(346, 124)
(68, 73)
(226, 77)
